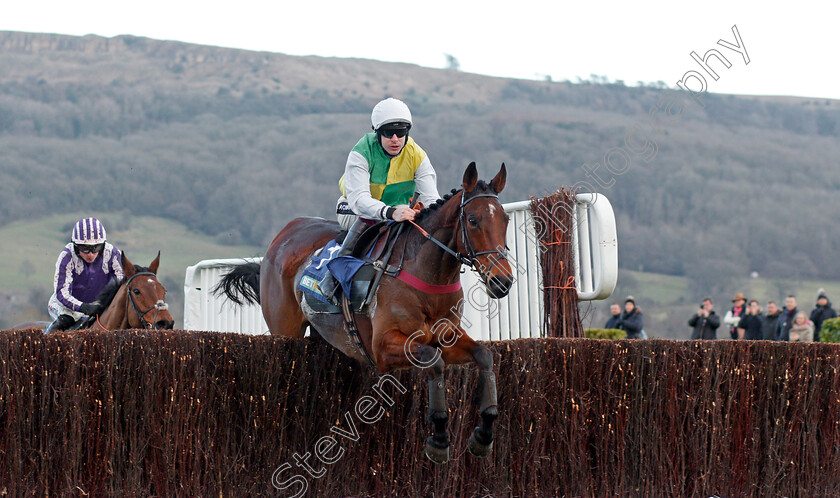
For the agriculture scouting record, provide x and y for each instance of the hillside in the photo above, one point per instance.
(234, 142)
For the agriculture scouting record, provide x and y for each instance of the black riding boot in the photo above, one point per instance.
(328, 284)
(63, 322)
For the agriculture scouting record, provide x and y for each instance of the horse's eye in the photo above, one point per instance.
(507, 218)
(473, 221)
(136, 292)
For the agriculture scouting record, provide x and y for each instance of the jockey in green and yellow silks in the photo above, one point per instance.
(383, 171)
(391, 179)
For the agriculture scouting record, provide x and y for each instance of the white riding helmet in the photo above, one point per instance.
(390, 111)
(88, 231)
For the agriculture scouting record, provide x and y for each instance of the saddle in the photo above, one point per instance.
(361, 270)
(371, 243)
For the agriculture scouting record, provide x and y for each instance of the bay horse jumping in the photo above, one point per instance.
(135, 302)
(407, 324)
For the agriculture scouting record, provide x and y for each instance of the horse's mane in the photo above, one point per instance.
(426, 212)
(427, 218)
(106, 295)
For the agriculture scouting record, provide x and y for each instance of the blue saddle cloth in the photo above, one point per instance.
(342, 268)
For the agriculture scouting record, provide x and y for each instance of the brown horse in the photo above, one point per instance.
(134, 302)
(407, 324)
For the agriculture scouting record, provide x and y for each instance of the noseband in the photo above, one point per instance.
(159, 306)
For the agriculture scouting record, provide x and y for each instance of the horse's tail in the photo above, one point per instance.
(244, 281)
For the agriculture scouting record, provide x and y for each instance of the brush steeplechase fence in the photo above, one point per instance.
(139, 413)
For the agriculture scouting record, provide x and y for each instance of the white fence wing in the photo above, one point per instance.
(203, 310)
(596, 247)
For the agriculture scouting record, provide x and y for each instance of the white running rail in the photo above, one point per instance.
(520, 314)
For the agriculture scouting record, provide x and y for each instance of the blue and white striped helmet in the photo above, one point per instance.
(88, 231)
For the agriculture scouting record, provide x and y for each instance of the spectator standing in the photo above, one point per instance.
(786, 319)
(705, 322)
(631, 320)
(821, 313)
(749, 327)
(733, 316)
(615, 317)
(770, 322)
(802, 329)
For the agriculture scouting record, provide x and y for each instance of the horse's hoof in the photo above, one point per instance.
(435, 453)
(476, 447)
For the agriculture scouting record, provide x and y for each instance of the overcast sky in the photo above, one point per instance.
(791, 49)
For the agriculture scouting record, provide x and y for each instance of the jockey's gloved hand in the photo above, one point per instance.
(87, 308)
(402, 213)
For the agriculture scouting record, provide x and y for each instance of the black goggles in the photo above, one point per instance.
(86, 249)
(390, 131)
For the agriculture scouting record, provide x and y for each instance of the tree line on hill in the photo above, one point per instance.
(740, 185)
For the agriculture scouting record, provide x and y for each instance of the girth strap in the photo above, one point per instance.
(352, 330)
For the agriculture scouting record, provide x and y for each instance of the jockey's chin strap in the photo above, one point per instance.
(158, 306)
(470, 258)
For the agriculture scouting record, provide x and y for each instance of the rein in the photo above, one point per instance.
(470, 259)
(456, 255)
(158, 306)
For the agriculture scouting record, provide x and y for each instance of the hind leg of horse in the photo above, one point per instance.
(289, 326)
(285, 318)
(396, 351)
(463, 350)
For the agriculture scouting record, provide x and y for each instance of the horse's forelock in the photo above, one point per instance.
(481, 187)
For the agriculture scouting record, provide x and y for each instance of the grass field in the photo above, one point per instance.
(29, 249)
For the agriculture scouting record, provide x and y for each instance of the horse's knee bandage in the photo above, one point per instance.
(437, 395)
(487, 390)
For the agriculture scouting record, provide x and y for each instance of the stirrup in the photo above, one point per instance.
(60, 324)
(329, 288)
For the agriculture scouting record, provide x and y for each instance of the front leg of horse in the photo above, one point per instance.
(463, 350)
(481, 440)
(396, 351)
(437, 445)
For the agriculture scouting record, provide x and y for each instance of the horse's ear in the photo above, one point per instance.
(154, 266)
(498, 182)
(470, 177)
(128, 266)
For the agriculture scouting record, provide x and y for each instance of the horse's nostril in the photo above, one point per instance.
(501, 282)
(164, 324)
(499, 286)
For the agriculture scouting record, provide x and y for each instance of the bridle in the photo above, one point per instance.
(465, 239)
(470, 259)
(159, 306)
